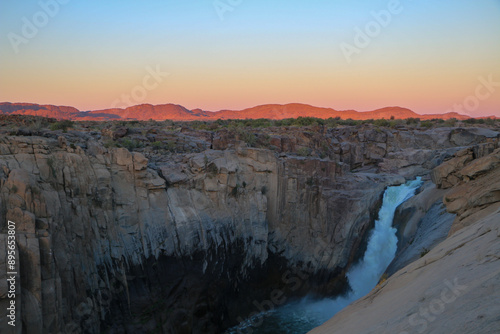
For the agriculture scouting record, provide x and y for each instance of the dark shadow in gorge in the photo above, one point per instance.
(174, 295)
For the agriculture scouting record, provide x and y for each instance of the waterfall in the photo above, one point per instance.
(382, 243)
(302, 316)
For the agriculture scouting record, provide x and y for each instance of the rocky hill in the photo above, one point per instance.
(175, 112)
(32, 109)
(156, 227)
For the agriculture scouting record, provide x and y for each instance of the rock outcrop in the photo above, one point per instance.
(452, 288)
(115, 240)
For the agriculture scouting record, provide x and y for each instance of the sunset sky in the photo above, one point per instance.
(429, 56)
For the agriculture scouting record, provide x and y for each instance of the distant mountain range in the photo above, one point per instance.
(179, 113)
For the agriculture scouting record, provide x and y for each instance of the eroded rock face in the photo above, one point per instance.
(469, 199)
(471, 190)
(109, 238)
(452, 287)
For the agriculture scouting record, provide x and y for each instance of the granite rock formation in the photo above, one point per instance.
(453, 287)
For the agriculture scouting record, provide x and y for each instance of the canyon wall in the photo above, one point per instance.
(115, 240)
(453, 286)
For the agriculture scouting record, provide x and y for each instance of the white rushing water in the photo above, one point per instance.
(302, 316)
(382, 244)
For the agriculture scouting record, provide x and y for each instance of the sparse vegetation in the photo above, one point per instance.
(248, 138)
(241, 126)
(304, 151)
(110, 143)
(131, 144)
(62, 125)
(411, 121)
(170, 146)
(157, 145)
(158, 138)
(381, 122)
(37, 124)
(450, 122)
(489, 121)
(426, 124)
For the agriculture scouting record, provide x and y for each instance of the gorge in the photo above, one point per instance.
(299, 317)
(189, 229)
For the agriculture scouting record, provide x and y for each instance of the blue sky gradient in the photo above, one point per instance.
(428, 58)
